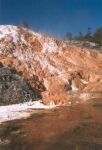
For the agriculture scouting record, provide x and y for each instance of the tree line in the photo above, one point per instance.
(95, 37)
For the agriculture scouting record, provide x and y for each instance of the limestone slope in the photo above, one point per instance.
(61, 73)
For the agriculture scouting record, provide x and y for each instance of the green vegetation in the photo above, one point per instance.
(7, 129)
(95, 37)
(25, 24)
(37, 116)
(98, 105)
(69, 36)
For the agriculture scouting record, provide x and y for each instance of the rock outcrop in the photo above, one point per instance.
(14, 88)
(60, 72)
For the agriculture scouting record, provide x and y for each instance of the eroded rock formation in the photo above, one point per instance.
(61, 73)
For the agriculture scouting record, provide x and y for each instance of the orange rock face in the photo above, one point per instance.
(54, 97)
(55, 84)
(60, 71)
(94, 87)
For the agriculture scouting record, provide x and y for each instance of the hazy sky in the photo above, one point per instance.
(53, 16)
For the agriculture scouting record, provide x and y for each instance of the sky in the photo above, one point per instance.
(55, 17)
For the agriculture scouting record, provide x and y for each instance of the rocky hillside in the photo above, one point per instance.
(60, 72)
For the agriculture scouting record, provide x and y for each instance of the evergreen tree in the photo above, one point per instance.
(25, 24)
(69, 36)
(97, 37)
(80, 37)
(88, 36)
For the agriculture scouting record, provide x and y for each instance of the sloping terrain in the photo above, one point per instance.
(61, 73)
